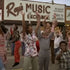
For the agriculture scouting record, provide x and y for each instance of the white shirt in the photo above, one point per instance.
(57, 40)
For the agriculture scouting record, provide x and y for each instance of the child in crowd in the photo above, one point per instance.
(64, 56)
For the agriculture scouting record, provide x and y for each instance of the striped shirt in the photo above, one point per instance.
(2, 48)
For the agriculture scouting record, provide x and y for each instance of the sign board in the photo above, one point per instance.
(0, 15)
(67, 15)
(12, 10)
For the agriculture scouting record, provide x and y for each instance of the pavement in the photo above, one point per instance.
(10, 62)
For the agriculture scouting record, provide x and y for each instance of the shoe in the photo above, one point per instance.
(15, 64)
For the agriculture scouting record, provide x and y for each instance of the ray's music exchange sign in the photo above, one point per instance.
(12, 10)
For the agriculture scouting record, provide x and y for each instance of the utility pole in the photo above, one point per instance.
(52, 1)
(52, 46)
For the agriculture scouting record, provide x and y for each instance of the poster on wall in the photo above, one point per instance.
(67, 15)
(12, 10)
(0, 15)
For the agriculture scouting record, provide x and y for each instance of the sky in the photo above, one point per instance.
(67, 2)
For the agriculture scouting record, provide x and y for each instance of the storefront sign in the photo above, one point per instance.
(12, 10)
(67, 15)
(0, 15)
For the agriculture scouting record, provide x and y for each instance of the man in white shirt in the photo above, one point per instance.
(58, 38)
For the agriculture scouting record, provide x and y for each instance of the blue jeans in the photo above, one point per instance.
(56, 50)
(1, 65)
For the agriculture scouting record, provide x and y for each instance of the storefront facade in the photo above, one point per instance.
(67, 19)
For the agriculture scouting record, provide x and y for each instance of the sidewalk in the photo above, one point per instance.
(10, 62)
(20, 66)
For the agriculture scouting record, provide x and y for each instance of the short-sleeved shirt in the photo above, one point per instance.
(30, 45)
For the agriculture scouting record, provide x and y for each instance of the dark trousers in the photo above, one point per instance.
(12, 48)
(23, 48)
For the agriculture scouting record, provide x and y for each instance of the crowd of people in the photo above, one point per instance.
(35, 45)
